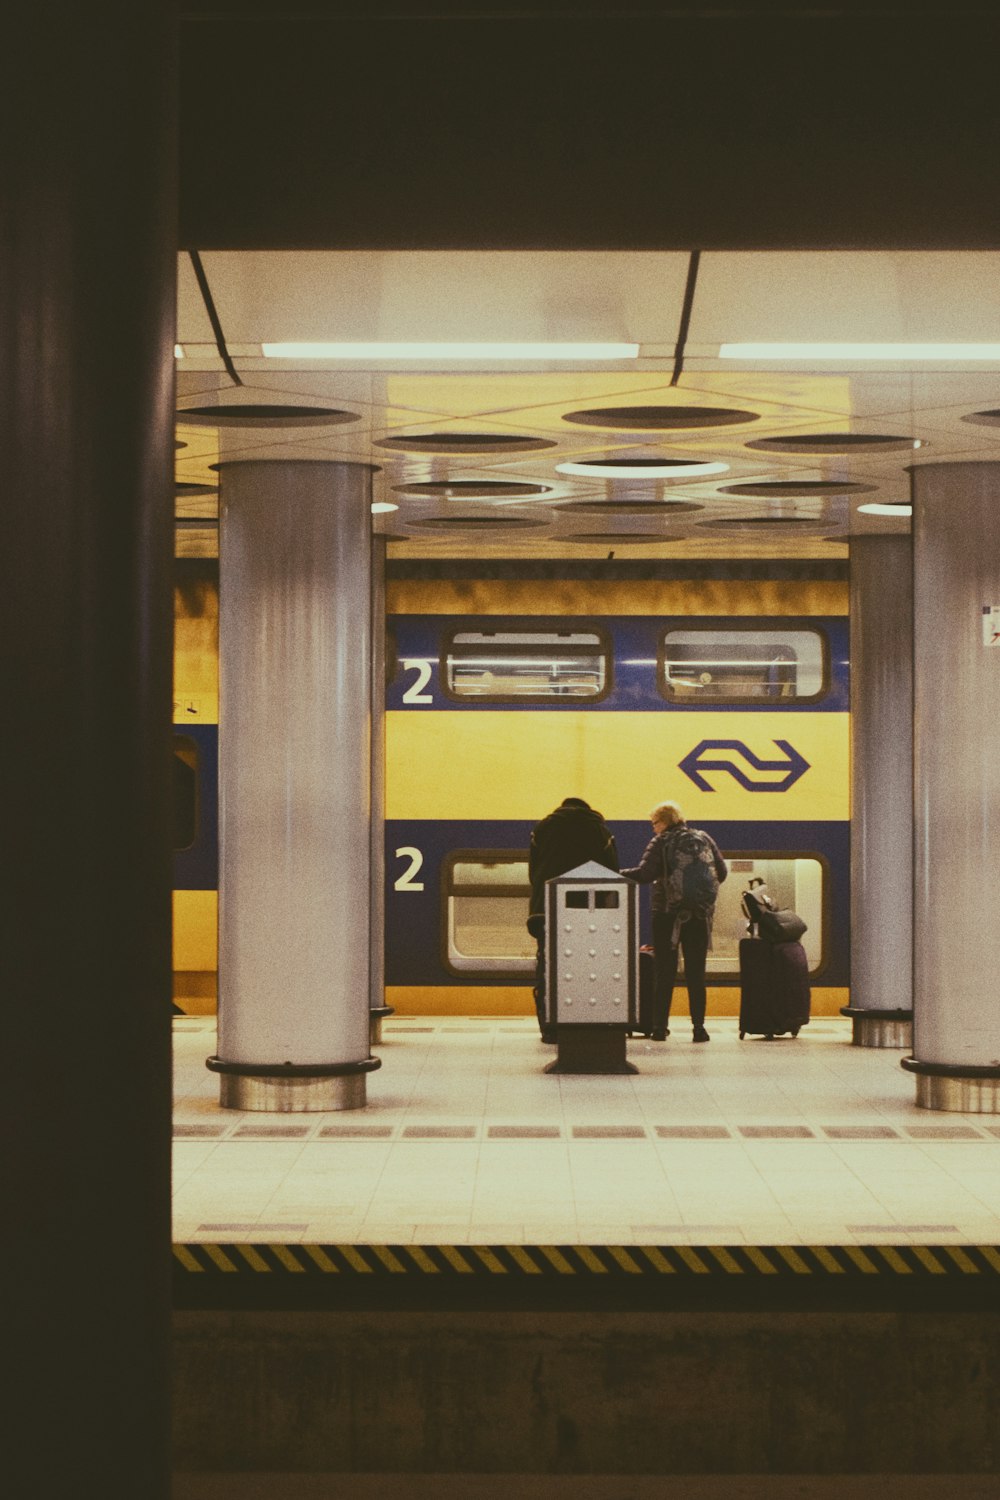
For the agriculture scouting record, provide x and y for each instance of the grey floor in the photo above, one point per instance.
(466, 1140)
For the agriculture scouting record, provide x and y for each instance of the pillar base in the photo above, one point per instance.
(287, 1089)
(971, 1091)
(376, 1016)
(880, 1028)
(591, 1049)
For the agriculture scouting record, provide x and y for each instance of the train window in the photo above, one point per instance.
(486, 906)
(742, 666)
(516, 666)
(796, 881)
(185, 764)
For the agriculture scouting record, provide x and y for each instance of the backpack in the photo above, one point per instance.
(689, 877)
(767, 920)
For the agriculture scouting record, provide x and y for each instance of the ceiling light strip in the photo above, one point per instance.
(907, 352)
(684, 469)
(448, 351)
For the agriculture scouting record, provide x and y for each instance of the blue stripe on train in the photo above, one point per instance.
(635, 642)
(197, 868)
(414, 918)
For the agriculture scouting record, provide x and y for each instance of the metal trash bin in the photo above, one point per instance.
(591, 968)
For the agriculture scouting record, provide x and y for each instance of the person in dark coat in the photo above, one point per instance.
(571, 835)
(677, 922)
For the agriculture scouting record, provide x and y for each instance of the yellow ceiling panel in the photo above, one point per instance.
(486, 392)
(798, 391)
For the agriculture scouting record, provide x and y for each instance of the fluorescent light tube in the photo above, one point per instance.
(449, 351)
(904, 352)
(666, 470)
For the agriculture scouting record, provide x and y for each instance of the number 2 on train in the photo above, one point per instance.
(406, 881)
(414, 693)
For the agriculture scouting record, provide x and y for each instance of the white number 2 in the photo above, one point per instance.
(406, 882)
(414, 693)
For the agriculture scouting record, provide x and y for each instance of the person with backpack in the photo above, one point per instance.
(685, 869)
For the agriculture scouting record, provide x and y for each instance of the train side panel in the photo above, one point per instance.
(467, 778)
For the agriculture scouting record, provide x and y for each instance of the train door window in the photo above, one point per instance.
(519, 666)
(486, 899)
(742, 666)
(796, 881)
(185, 774)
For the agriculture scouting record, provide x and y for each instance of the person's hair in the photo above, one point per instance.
(667, 812)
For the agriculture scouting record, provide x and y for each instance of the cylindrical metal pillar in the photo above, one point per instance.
(87, 310)
(294, 785)
(881, 1007)
(379, 1009)
(956, 769)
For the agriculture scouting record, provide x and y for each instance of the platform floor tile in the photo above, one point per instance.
(465, 1139)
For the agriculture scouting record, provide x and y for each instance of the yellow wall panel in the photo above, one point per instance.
(485, 764)
(196, 921)
(512, 1000)
(563, 596)
(460, 1000)
(196, 654)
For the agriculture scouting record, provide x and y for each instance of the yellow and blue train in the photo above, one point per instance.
(513, 685)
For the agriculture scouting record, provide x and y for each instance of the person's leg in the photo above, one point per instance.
(694, 944)
(536, 926)
(665, 976)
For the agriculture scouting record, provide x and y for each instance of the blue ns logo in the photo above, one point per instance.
(705, 757)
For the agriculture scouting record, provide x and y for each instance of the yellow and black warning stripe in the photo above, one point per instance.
(609, 1261)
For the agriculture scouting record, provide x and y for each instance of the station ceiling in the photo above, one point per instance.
(470, 453)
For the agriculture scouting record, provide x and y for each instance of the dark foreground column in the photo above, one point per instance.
(881, 1007)
(294, 785)
(956, 785)
(87, 294)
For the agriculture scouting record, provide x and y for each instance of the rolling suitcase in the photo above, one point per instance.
(774, 988)
(647, 974)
